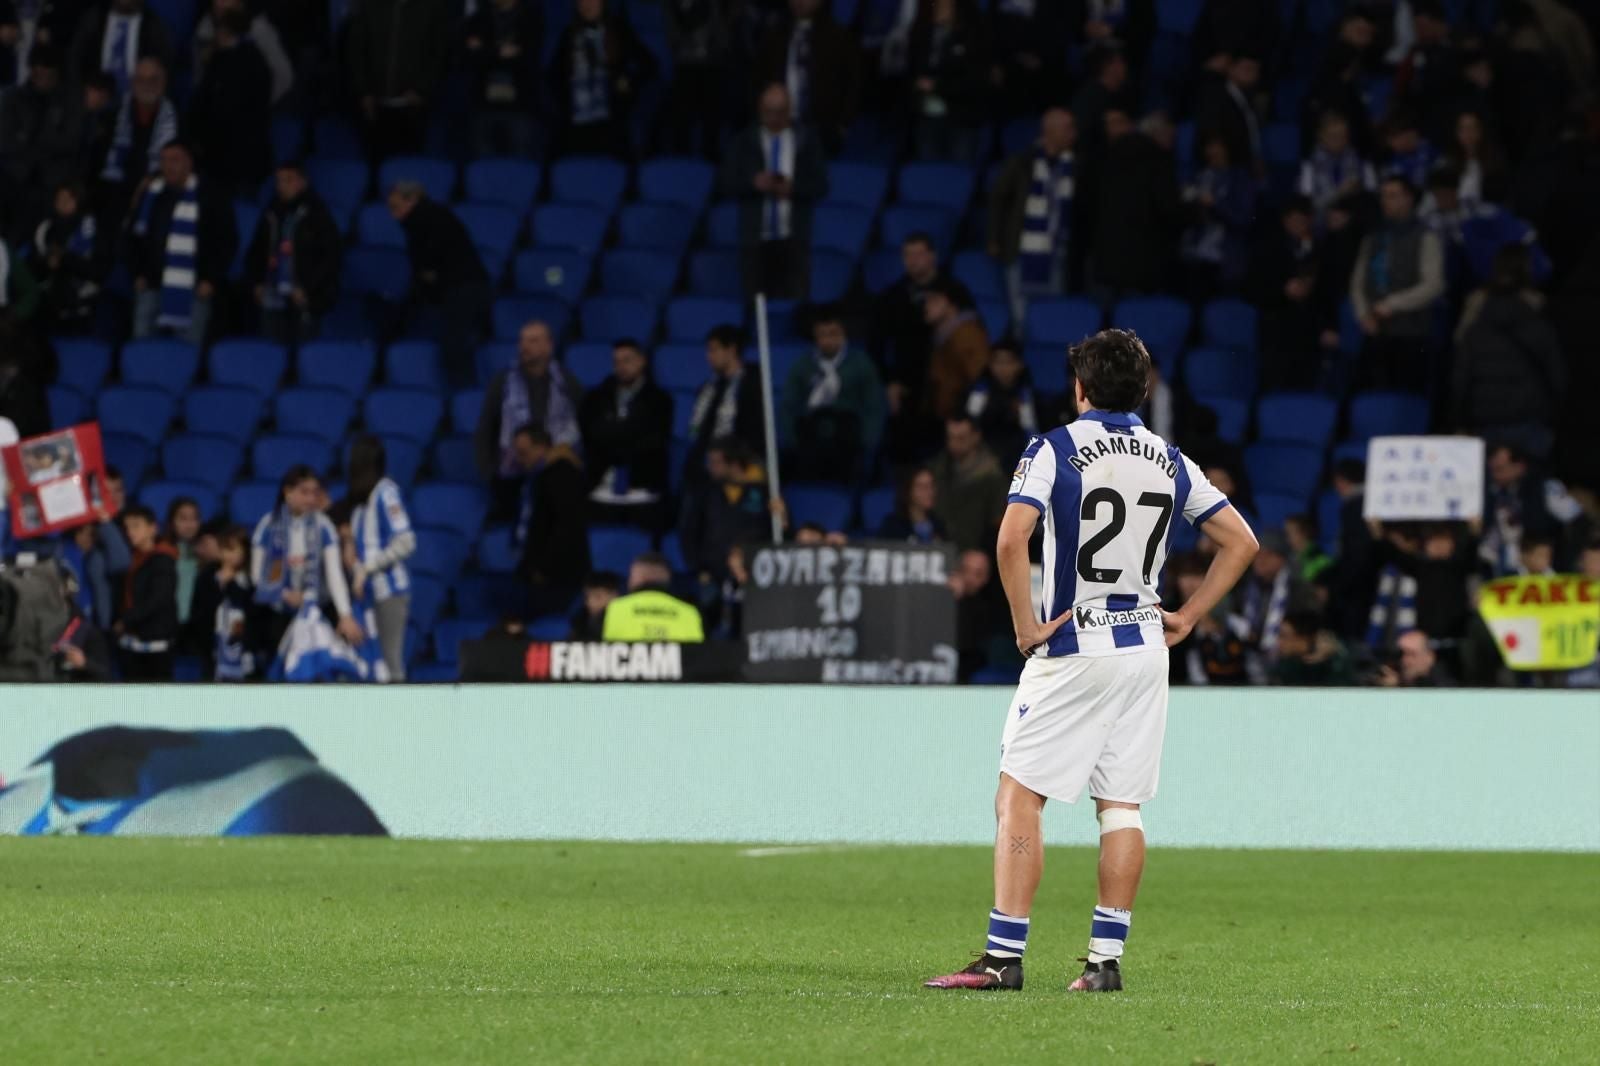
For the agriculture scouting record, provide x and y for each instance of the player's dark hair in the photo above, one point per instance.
(725, 335)
(1114, 367)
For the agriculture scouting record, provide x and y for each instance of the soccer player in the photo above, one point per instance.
(1091, 707)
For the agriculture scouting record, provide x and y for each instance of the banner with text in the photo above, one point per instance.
(1543, 623)
(868, 613)
(1420, 478)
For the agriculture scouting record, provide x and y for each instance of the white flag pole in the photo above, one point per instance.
(764, 349)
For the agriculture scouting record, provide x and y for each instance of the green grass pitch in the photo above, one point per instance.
(341, 951)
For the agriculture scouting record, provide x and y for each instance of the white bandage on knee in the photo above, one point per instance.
(1115, 818)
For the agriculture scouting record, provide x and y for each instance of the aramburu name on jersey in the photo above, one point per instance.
(1119, 444)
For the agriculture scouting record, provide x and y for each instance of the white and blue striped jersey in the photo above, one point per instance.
(384, 539)
(1110, 491)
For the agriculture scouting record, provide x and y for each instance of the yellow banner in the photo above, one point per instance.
(1543, 623)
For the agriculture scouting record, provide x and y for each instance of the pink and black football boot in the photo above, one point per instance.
(1098, 977)
(987, 973)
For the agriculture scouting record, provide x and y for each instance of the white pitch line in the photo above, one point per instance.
(794, 849)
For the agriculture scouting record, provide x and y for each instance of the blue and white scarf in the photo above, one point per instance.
(120, 48)
(278, 569)
(178, 270)
(516, 411)
(1046, 217)
(591, 89)
(163, 132)
(234, 660)
(1394, 609)
(799, 79)
(280, 262)
(1322, 177)
(79, 235)
(311, 651)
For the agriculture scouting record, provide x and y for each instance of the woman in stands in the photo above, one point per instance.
(294, 562)
(383, 541)
(183, 533)
(914, 518)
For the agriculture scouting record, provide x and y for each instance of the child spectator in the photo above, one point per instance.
(220, 613)
(383, 541)
(295, 560)
(1222, 206)
(148, 627)
(1335, 171)
(68, 262)
(182, 530)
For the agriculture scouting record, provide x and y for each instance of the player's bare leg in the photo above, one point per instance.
(1121, 866)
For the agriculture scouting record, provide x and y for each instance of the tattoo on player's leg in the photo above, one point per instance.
(1019, 845)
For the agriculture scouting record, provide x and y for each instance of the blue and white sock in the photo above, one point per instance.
(1108, 933)
(1008, 936)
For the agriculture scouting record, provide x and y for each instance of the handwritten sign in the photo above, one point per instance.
(1420, 478)
(1543, 623)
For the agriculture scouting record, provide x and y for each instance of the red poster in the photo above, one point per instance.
(57, 481)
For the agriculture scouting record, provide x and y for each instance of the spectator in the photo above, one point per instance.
(147, 624)
(1509, 377)
(82, 651)
(725, 620)
(1308, 654)
(292, 265)
(775, 170)
(180, 245)
(817, 62)
(1473, 233)
(383, 540)
(41, 129)
(1003, 403)
(69, 258)
(1422, 582)
(700, 34)
(182, 534)
(595, 76)
(1335, 171)
(1130, 23)
(504, 42)
(261, 32)
(1417, 665)
(1296, 302)
(397, 56)
(1226, 109)
(1399, 276)
(627, 439)
(649, 612)
(1411, 155)
(960, 351)
(114, 37)
(101, 112)
(146, 123)
(93, 553)
(295, 562)
(1341, 81)
(915, 517)
(833, 407)
(220, 615)
(1516, 508)
(982, 616)
(1138, 211)
(1222, 205)
(1034, 218)
(1589, 569)
(1478, 159)
(589, 620)
(1267, 594)
(1354, 577)
(902, 337)
(1029, 54)
(447, 275)
(971, 485)
(1306, 556)
(729, 404)
(949, 69)
(230, 118)
(1427, 80)
(728, 506)
(1106, 90)
(550, 531)
(537, 393)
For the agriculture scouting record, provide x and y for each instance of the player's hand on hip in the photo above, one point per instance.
(1176, 626)
(1033, 634)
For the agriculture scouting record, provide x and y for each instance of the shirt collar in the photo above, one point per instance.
(1125, 419)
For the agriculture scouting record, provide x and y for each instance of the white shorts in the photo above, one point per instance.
(1089, 720)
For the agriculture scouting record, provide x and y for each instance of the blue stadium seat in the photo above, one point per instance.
(84, 363)
(841, 227)
(715, 273)
(333, 136)
(680, 367)
(343, 365)
(1274, 508)
(221, 411)
(1018, 135)
(616, 547)
(159, 495)
(441, 551)
(248, 501)
(1047, 363)
(876, 506)
(589, 362)
(881, 268)
(496, 553)
(248, 364)
(438, 176)
(490, 359)
(314, 412)
(427, 600)
(946, 185)
(274, 453)
(1279, 467)
(381, 272)
(685, 183)
(996, 317)
(512, 183)
(1061, 320)
(211, 461)
(656, 227)
(448, 635)
(288, 137)
(829, 506)
(1306, 417)
(68, 407)
(1330, 508)
(637, 272)
(132, 455)
(577, 226)
(1349, 449)
(402, 459)
(588, 180)
(453, 459)
(1219, 372)
(160, 363)
(559, 272)
(432, 672)
(722, 226)
(672, 551)
(830, 275)
(135, 411)
(511, 313)
(1280, 147)
(376, 228)
(412, 414)
(1162, 323)
(342, 183)
(1380, 414)
(902, 220)
(690, 318)
(413, 365)
(474, 595)
(1229, 324)
(981, 275)
(613, 317)
(465, 406)
(1178, 16)
(862, 184)
(459, 506)
(682, 411)
(493, 228)
(1233, 415)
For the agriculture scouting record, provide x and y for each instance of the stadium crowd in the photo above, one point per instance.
(1328, 221)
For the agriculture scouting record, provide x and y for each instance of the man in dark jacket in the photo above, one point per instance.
(292, 266)
(627, 436)
(551, 531)
(595, 74)
(536, 392)
(147, 627)
(817, 60)
(775, 170)
(1510, 379)
(231, 116)
(398, 52)
(901, 337)
(503, 43)
(114, 37)
(1226, 108)
(1297, 299)
(446, 274)
(728, 405)
(180, 245)
(1138, 211)
(729, 506)
(41, 129)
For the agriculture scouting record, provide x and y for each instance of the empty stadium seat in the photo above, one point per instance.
(437, 176)
(402, 460)
(248, 364)
(131, 455)
(829, 506)
(159, 497)
(593, 181)
(656, 227)
(1280, 467)
(376, 228)
(490, 359)
(831, 273)
(638, 272)
(902, 220)
(314, 412)
(209, 460)
(996, 317)
(1306, 417)
(1220, 372)
(1274, 508)
(715, 273)
(876, 506)
(68, 407)
(224, 411)
(332, 136)
(980, 274)
(441, 551)
(1162, 323)
(690, 318)
(493, 229)
(274, 453)
(465, 407)
(427, 600)
(862, 184)
(454, 459)
(589, 362)
(1379, 414)
(946, 185)
(412, 414)
(476, 595)
(672, 551)
(613, 317)
(1330, 509)
(511, 313)
(160, 363)
(381, 272)
(841, 227)
(577, 226)
(615, 548)
(679, 367)
(84, 363)
(1233, 415)
(881, 268)
(456, 505)
(559, 272)
(1047, 363)
(722, 226)
(1063, 320)
(448, 635)
(342, 183)
(496, 552)
(135, 411)
(685, 183)
(413, 365)
(249, 501)
(512, 183)
(1229, 324)
(343, 365)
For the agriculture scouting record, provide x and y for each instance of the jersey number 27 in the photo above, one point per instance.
(1157, 501)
